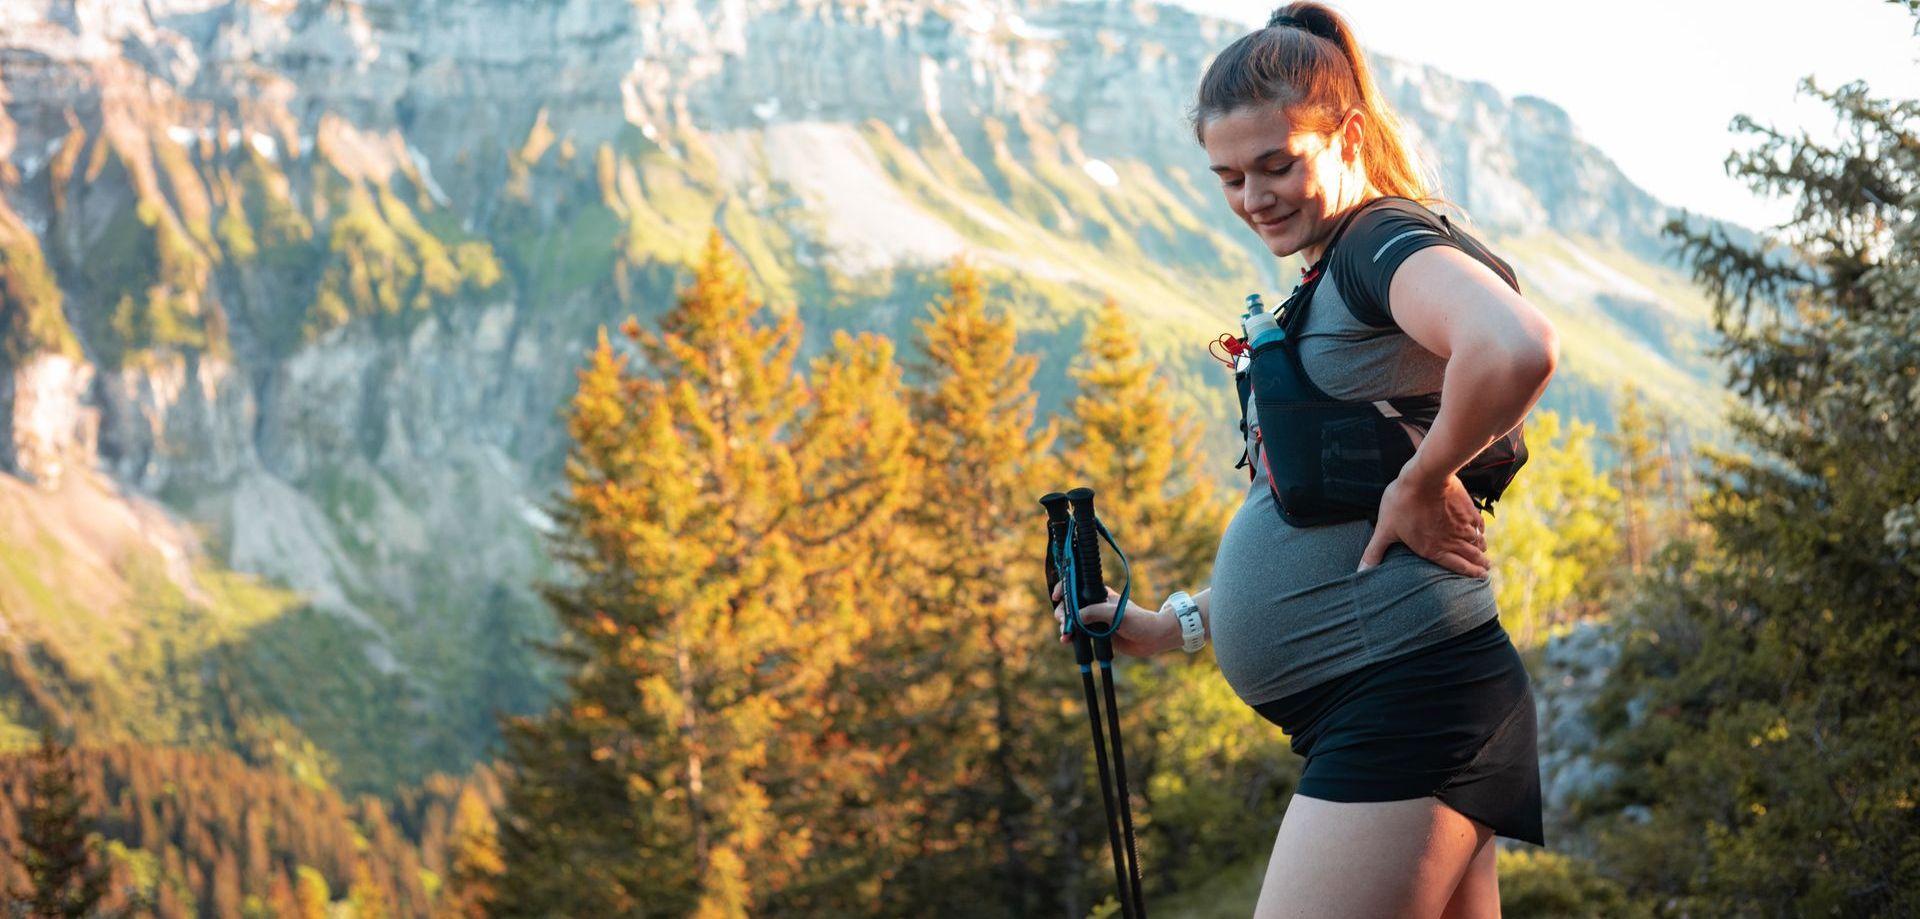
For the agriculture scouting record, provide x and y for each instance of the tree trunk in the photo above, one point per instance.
(695, 810)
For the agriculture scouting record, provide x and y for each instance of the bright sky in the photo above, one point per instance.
(1652, 83)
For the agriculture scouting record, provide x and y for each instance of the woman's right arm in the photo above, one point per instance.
(1144, 632)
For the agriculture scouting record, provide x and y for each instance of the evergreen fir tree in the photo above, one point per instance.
(226, 885)
(367, 897)
(66, 875)
(574, 839)
(1763, 711)
(282, 901)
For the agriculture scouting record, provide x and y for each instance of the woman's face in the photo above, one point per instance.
(1291, 187)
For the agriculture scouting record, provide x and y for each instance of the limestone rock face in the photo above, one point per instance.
(455, 75)
(44, 405)
(1576, 667)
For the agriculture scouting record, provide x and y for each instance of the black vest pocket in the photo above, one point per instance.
(1351, 465)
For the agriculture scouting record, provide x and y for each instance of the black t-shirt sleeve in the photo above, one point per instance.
(1381, 237)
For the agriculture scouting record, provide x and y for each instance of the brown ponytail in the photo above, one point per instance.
(1307, 62)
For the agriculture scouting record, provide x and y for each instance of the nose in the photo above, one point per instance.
(1255, 195)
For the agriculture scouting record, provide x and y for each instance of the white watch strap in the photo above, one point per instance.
(1193, 635)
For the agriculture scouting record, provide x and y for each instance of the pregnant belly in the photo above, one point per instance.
(1282, 606)
(1288, 610)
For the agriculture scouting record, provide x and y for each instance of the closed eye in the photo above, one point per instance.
(1238, 181)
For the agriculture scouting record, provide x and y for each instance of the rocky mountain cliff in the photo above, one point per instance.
(301, 283)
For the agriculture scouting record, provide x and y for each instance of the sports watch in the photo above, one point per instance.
(1193, 635)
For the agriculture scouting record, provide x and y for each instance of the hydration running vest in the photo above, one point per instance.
(1328, 460)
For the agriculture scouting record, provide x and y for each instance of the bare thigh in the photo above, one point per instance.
(1478, 896)
(1367, 859)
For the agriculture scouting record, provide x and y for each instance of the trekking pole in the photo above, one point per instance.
(1064, 565)
(1092, 588)
(1060, 567)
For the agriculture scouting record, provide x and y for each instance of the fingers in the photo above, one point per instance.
(1472, 524)
(1477, 556)
(1093, 615)
(1060, 589)
(1376, 548)
(1459, 563)
(1466, 556)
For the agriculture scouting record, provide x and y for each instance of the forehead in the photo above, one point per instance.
(1241, 137)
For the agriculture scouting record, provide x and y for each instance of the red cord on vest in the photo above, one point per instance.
(1233, 346)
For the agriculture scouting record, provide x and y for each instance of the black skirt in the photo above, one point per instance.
(1454, 720)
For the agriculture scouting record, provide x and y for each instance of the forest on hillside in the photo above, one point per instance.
(811, 669)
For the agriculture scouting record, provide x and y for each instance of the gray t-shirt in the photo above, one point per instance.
(1287, 610)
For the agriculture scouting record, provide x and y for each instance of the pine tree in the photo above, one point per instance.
(574, 839)
(226, 885)
(367, 896)
(66, 876)
(259, 855)
(173, 895)
(1763, 710)
(282, 901)
(170, 902)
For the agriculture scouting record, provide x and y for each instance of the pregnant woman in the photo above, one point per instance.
(1374, 643)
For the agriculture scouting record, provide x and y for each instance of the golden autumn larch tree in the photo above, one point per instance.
(1144, 462)
(979, 614)
(688, 772)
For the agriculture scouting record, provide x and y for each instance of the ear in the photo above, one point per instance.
(1352, 130)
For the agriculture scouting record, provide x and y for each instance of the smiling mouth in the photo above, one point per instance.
(1270, 224)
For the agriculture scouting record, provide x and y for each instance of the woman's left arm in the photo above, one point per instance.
(1500, 354)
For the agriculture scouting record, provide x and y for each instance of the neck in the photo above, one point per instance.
(1317, 249)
